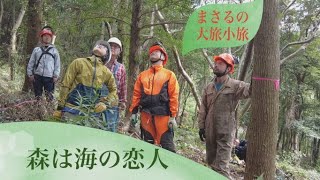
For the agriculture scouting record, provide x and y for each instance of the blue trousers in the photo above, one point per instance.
(111, 116)
(112, 119)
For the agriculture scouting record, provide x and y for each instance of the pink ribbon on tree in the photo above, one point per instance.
(276, 82)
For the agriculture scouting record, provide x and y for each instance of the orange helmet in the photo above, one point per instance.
(45, 31)
(227, 58)
(158, 46)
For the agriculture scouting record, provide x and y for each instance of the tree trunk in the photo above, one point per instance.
(315, 151)
(279, 138)
(1, 12)
(316, 157)
(301, 141)
(261, 154)
(134, 47)
(290, 118)
(13, 54)
(295, 140)
(244, 65)
(121, 29)
(34, 15)
(284, 139)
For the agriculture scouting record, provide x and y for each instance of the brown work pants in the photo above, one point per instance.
(218, 151)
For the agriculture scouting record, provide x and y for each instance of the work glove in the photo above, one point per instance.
(31, 78)
(57, 114)
(122, 106)
(172, 124)
(134, 119)
(202, 134)
(111, 102)
(55, 79)
(100, 107)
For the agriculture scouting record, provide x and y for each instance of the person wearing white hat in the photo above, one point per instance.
(119, 72)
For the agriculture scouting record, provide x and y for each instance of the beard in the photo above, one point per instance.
(220, 74)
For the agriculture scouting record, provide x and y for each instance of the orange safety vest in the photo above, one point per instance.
(156, 91)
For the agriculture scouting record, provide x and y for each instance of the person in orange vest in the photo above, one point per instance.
(216, 118)
(155, 94)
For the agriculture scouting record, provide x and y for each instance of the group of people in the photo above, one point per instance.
(96, 85)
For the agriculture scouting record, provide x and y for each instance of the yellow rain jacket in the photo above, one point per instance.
(83, 82)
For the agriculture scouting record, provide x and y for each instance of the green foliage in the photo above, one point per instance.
(293, 164)
(309, 126)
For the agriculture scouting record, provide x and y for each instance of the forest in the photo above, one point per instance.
(282, 127)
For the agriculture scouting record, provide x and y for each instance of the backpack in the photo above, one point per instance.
(43, 53)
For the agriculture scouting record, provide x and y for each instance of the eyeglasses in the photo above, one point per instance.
(115, 46)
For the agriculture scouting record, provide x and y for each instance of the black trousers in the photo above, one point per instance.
(166, 141)
(43, 83)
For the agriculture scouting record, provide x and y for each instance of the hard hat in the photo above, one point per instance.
(48, 28)
(116, 41)
(45, 31)
(227, 58)
(158, 46)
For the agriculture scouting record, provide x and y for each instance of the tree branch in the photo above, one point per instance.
(162, 23)
(288, 6)
(166, 5)
(245, 108)
(15, 27)
(150, 36)
(245, 61)
(103, 27)
(303, 47)
(102, 17)
(309, 37)
(161, 19)
(205, 54)
(297, 43)
(181, 69)
(108, 26)
(237, 50)
(186, 76)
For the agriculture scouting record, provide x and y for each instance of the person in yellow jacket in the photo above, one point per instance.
(156, 93)
(81, 89)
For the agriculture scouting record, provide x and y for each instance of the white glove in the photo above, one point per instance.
(172, 124)
(134, 119)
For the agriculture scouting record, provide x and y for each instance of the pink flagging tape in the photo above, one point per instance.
(276, 82)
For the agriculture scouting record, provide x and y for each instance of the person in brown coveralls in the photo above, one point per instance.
(216, 118)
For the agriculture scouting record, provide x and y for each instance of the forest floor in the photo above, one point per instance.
(186, 138)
